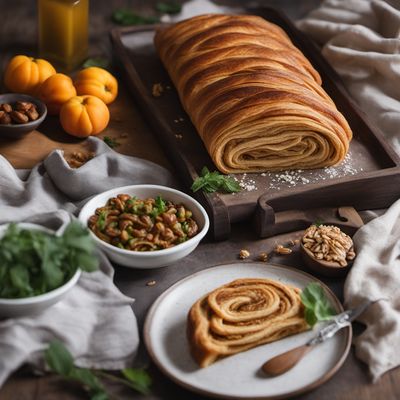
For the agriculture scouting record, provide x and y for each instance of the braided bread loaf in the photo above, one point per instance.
(254, 98)
(241, 315)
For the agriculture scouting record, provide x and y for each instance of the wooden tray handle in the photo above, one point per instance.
(269, 223)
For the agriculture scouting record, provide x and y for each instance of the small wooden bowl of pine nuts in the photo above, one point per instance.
(327, 250)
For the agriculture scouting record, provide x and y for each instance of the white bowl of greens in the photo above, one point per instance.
(38, 268)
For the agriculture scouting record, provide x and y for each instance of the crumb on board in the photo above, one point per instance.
(246, 183)
(178, 135)
(157, 89)
(281, 180)
(151, 283)
(263, 256)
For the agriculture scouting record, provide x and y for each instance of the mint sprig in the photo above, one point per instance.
(316, 303)
(214, 181)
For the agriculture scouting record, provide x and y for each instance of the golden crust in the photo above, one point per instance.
(241, 315)
(254, 98)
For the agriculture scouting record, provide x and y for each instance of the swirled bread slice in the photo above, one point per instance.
(254, 98)
(241, 315)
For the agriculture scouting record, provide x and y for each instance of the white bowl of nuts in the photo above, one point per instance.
(145, 226)
(20, 114)
(327, 250)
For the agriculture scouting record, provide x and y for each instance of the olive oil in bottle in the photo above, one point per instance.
(63, 31)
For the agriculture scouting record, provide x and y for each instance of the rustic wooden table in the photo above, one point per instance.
(18, 36)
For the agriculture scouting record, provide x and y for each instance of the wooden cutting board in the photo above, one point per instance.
(126, 126)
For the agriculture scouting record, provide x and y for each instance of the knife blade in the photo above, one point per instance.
(339, 322)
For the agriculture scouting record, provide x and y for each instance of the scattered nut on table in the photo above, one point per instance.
(78, 158)
(157, 90)
(263, 256)
(279, 249)
(244, 254)
(329, 243)
(151, 283)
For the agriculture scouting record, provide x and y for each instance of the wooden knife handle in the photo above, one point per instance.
(285, 361)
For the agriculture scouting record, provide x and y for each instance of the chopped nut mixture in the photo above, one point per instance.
(146, 224)
(244, 254)
(157, 90)
(329, 243)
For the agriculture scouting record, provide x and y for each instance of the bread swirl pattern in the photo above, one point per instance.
(241, 315)
(254, 98)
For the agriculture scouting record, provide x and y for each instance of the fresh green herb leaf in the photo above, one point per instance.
(214, 181)
(169, 7)
(126, 17)
(100, 396)
(100, 62)
(159, 207)
(101, 220)
(87, 378)
(139, 379)
(317, 305)
(160, 204)
(110, 142)
(60, 361)
(131, 201)
(34, 262)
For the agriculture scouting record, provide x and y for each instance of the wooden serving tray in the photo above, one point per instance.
(368, 178)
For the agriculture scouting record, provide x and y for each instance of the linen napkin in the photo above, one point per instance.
(95, 320)
(361, 40)
(52, 184)
(376, 275)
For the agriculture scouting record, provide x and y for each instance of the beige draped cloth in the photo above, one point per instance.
(361, 40)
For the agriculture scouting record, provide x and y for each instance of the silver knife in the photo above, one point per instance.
(285, 361)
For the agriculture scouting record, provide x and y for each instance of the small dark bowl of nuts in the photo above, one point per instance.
(20, 114)
(327, 250)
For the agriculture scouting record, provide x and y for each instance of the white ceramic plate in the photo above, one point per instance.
(237, 376)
